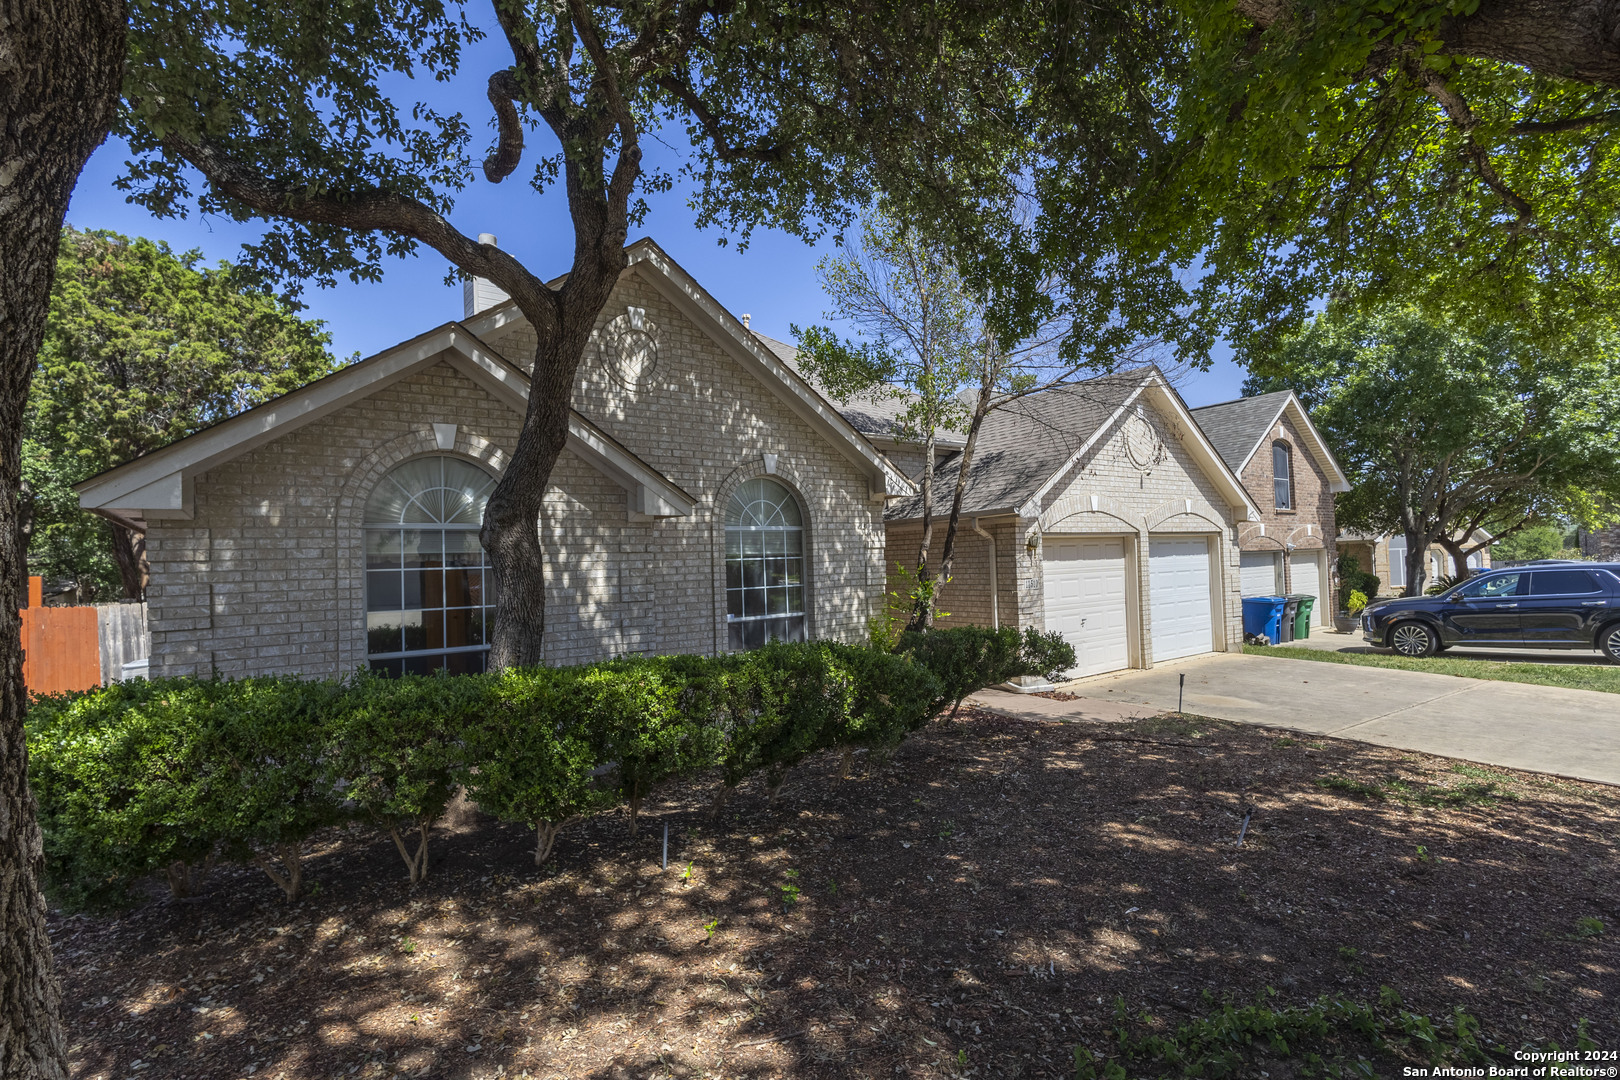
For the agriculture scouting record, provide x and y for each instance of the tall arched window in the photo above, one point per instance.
(1282, 476)
(430, 598)
(764, 565)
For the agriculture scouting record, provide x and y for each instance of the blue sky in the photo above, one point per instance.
(774, 280)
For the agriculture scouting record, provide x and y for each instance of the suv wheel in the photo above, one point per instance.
(1416, 640)
(1610, 642)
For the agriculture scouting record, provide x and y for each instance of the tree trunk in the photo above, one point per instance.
(1417, 563)
(948, 554)
(1459, 557)
(129, 553)
(512, 522)
(61, 63)
(922, 608)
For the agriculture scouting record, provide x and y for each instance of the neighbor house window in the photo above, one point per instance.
(764, 565)
(1397, 562)
(1282, 475)
(430, 598)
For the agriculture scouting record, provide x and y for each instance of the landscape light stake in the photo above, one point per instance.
(666, 845)
(1247, 814)
(1181, 692)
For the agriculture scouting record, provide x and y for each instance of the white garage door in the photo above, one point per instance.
(1259, 573)
(1178, 578)
(1305, 569)
(1085, 600)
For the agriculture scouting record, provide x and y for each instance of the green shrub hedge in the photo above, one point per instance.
(165, 775)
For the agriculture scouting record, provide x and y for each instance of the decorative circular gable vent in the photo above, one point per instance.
(1143, 446)
(632, 348)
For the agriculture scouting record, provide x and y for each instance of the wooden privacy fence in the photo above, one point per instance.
(75, 648)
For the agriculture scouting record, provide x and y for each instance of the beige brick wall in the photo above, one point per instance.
(1131, 499)
(1310, 524)
(266, 578)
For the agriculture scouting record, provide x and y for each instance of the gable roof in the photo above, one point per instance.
(1027, 447)
(158, 484)
(1238, 428)
(780, 377)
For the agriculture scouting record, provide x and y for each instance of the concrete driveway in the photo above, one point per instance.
(1574, 733)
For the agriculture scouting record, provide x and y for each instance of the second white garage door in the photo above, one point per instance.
(1085, 601)
(1305, 571)
(1259, 573)
(1178, 580)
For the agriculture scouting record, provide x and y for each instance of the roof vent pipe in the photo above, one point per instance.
(480, 294)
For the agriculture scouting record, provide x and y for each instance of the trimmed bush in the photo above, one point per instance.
(782, 703)
(270, 781)
(120, 779)
(398, 745)
(969, 658)
(654, 722)
(536, 755)
(893, 696)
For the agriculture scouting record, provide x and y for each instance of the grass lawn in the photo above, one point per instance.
(1604, 677)
(996, 894)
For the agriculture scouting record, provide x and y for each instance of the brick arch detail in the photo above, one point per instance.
(363, 478)
(1079, 505)
(1174, 508)
(790, 478)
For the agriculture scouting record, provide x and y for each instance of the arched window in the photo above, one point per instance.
(764, 565)
(1282, 475)
(430, 597)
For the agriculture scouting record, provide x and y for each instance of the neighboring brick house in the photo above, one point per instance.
(1385, 555)
(1289, 470)
(708, 497)
(1601, 543)
(1097, 509)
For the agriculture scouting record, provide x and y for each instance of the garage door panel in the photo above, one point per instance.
(1086, 601)
(1258, 576)
(1180, 604)
(1305, 571)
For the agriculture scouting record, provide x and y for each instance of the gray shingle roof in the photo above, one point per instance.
(1235, 428)
(1023, 444)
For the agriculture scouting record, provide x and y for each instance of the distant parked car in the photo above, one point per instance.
(1551, 605)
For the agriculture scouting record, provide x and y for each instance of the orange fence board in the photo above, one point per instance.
(61, 650)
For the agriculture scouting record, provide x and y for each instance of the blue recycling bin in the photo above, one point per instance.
(1263, 616)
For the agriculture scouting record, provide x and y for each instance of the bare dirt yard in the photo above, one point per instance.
(977, 905)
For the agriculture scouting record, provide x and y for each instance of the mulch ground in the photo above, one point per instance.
(974, 906)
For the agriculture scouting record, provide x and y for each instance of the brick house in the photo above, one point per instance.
(1601, 543)
(708, 498)
(1098, 509)
(1384, 554)
(1289, 470)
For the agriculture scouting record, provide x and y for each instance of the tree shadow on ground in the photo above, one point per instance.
(974, 905)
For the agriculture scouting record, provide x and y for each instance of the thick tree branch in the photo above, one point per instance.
(503, 94)
(1565, 39)
(1457, 109)
(367, 210)
(769, 154)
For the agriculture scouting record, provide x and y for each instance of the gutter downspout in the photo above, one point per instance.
(995, 575)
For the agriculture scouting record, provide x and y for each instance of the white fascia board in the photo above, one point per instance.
(166, 497)
(1214, 466)
(723, 328)
(1337, 481)
(212, 446)
(652, 494)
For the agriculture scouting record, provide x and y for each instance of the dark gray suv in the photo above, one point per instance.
(1541, 606)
